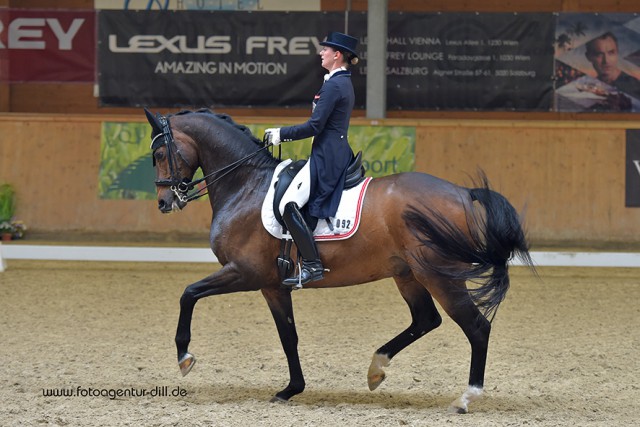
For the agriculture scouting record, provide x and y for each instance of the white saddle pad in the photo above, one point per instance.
(345, 223)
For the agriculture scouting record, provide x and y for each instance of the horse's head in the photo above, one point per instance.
(175, 159)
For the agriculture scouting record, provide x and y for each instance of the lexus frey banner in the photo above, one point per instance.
(47, 45)
(214, 58)
(451, 61)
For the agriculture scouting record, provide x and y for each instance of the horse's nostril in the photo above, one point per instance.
(161, 204)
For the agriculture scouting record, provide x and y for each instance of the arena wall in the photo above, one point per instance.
(568, 177)
(567, 170)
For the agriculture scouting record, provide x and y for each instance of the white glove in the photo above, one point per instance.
(272, 136)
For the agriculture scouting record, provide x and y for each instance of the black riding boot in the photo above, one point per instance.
(303, 237)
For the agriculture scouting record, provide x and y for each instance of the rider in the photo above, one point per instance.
(321, 180)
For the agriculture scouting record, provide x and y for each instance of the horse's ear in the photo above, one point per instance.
(153, 121)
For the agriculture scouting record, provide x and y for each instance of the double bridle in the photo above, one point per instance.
(182, 186)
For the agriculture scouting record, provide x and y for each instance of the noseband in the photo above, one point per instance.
(182, 186)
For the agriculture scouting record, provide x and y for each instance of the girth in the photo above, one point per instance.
(355, 175)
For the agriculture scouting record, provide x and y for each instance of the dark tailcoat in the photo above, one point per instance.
(330, 152)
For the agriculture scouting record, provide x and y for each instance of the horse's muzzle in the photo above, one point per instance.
(168, 206)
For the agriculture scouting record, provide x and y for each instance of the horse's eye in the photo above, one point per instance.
(158, 155)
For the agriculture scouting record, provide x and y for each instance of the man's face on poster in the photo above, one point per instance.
(603, 54)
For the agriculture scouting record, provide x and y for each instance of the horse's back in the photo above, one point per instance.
(415, 189)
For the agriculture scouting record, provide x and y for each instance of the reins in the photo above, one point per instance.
(182, 187)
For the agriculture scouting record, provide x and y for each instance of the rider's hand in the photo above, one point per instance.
(272, 136)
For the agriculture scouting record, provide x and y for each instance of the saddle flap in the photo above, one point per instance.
(280, 187)
(354, 176)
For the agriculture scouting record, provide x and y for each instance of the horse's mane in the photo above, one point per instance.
(226, 118)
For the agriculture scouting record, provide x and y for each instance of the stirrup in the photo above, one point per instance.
(297, 282)
(309, 271)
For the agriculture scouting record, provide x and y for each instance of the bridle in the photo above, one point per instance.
(181, 186)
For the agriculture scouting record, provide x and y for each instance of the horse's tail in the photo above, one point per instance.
(485, 248)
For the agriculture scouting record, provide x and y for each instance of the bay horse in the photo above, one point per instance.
(431, 236)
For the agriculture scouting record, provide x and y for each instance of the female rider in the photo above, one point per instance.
(320, 182)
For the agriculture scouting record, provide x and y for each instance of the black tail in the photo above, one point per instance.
(495, 238)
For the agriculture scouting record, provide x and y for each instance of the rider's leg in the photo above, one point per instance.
(312, 268)
(299, 189)
(296, 196)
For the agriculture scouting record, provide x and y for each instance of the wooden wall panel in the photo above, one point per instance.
(568, 175)
(54, 162)
(570, 181)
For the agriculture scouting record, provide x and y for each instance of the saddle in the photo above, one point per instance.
(355, 175)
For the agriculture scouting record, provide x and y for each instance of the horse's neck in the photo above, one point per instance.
(244, 185)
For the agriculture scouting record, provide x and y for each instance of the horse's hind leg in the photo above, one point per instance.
(455, 300)
(424, 318)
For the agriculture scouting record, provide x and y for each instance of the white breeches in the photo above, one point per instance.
(299, 189)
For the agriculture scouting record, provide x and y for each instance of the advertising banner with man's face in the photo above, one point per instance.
(597, 65)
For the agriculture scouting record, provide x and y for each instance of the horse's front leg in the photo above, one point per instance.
(224, 281)
(279, 301)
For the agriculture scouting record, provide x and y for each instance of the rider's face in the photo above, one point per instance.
(329, 58)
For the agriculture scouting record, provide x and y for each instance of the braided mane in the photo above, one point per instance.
(226, 118)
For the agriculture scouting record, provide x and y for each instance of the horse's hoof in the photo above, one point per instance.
(457, 410)
(375, 380)
(461, 404)
(186, 363)
(376, 374)
(276, 399)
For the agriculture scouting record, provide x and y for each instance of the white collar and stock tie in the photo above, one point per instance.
(332, 72)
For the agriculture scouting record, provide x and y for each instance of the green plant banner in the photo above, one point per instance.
(126, 170)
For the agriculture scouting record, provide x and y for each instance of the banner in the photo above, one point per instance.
(597, 62)
(213, 58)
(4, 56)
(253, 5)
(126, 170)
(632, 175)
(469, 61)
(452, 61)
(48, 45)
